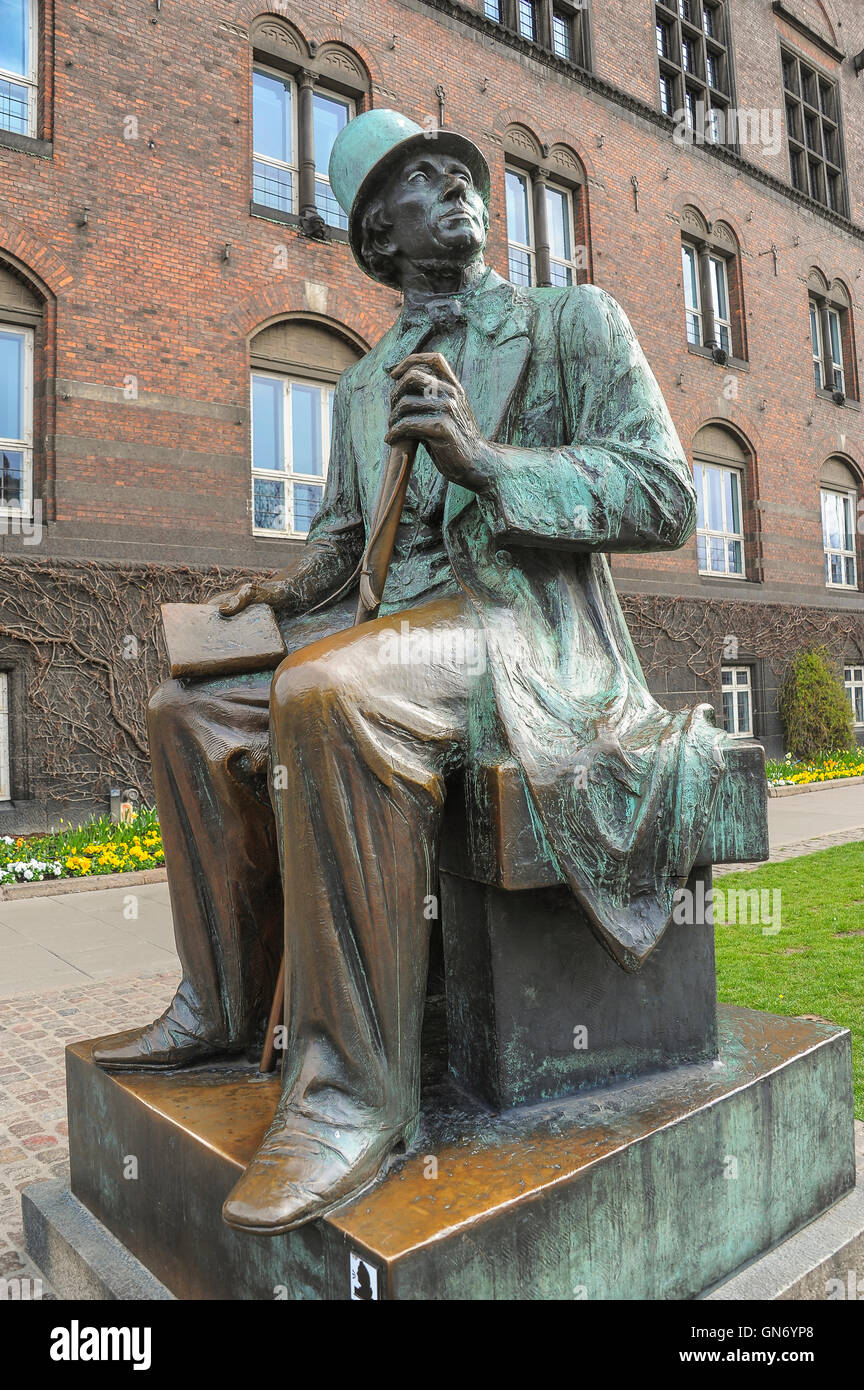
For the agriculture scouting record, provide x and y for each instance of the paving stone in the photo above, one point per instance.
(33, 1130)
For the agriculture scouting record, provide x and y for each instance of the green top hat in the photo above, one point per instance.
(369, 147)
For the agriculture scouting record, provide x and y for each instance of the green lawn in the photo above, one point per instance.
(815, 963)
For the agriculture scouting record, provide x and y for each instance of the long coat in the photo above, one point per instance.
(622, 788)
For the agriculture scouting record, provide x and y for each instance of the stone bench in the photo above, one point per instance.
(536, 1008)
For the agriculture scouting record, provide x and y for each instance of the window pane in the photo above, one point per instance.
(850, 571)
(702, 552)
(11, 478)
(526, 19)
(733, 512)
(328, 118)
(307, 500)
(272, 186)
(493, 10)
(519, 267)
(691, 290)
(269, 506)
(561, 43)
(558, 218)
(267, 431)
(736, 563)
(11, 385)
(718, 288)
(517, 207)
(743, 712)
(271, 117)
(718, 555)
(836, 348)
(728, 712)
(14, 107)
(306, 454)
(14, 36)
(715, 499)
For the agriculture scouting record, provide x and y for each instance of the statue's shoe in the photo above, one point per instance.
(161, 1046)
(305, 1168)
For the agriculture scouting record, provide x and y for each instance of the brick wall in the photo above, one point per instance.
(142, 397)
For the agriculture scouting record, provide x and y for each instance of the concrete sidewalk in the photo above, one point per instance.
(830, 810)
(59, 942)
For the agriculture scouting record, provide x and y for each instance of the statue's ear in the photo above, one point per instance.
(382, 241)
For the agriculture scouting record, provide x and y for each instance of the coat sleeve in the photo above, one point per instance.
(622, 481)
(336, 537)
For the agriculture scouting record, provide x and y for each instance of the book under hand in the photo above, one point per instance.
(201, 643)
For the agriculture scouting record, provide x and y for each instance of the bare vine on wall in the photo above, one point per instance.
(90, 634)
(704, 634)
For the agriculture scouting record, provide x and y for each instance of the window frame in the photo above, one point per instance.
(850, 496)
(30, 80)
(736, 689)
(689, 84)
(697, 312)
(338, 99)
(799, 113)
(290, 82)
(24, 445)
(571, 266)
(288, 476)
(708, 533)
(529, 249)
(854, 683)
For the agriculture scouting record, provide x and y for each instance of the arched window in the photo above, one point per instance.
(713, 292)
(19, 66)
(303, 94)
(832, 340)
(722, 473)
(20, 322)
(547, 224)
(295, 364)
(840, 492)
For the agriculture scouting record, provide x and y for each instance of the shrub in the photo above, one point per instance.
(814, 707)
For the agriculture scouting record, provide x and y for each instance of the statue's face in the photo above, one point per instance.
(434, 209)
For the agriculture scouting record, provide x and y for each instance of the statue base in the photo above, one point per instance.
(659, 1188)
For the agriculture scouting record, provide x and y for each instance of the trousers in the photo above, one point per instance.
(304, 809)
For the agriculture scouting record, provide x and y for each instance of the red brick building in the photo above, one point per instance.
(168, 243)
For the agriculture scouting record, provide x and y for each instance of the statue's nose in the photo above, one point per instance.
(456, 183)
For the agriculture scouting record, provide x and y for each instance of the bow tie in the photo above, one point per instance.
(440, 314)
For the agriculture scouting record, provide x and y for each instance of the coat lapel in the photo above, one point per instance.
(497, 349)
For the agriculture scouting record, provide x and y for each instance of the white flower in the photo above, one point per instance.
(28, 873)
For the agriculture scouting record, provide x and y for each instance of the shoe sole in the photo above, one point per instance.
(283, 1227)
(206, 1060)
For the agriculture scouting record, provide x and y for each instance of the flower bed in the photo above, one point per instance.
(99, 847)
(831, 769)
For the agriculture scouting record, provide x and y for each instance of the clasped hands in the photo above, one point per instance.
(429, 406)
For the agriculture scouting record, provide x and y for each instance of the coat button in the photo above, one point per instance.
(503, 558)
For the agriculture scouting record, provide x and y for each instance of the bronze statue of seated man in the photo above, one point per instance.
(309, 804)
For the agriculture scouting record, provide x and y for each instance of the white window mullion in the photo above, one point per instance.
(287, 457)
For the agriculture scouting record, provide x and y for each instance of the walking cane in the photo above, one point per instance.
(373, 577)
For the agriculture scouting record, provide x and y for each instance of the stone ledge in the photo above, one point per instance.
(815, 786)
(77, 1254)
(50, 888)
(829, 1249)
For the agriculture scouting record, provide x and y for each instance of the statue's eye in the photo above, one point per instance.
(418, 176)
